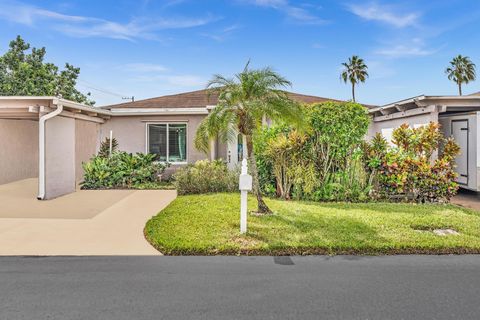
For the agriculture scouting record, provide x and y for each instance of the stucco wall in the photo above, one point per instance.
(59, 157)
(18, 149)
(86, 144)
(386, 126)
(130, 132)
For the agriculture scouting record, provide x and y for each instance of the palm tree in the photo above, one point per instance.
(242, 103)
(355, 71)
(461, 70)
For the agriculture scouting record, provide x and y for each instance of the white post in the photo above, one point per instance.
(245, 185)
(110, 146)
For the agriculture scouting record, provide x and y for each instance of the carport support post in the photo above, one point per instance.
(41, 149)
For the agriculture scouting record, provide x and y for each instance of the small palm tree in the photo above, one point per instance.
(355, 72)
(461, 70)
(243, 102)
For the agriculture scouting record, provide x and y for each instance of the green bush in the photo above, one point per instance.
(408, 170)
(105, 147)
(321, 162)
(205, 177)
(121, 170)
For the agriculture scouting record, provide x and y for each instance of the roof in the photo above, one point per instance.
(199, 98)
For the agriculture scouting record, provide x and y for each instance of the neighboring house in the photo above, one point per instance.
(49, 137)
(459, 117)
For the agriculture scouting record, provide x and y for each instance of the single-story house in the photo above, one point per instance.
(50, 137)
(459, 117)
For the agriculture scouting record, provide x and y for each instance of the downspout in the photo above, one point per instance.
(41, 150)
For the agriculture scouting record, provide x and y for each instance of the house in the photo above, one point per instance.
(459, 117)
(50, 137)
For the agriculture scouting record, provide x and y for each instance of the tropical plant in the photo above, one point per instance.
(461, 70)
(355, 71)
(205, 177)
(323, 162)
(105, 147)
(408, 170)
(121, 170)
(243, 101)
(26, 74)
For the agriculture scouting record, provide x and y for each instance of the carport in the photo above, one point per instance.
(47, 138)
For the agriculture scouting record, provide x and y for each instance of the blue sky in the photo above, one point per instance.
(151, 48)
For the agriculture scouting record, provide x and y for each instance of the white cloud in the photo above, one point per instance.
(386, 14)
(182, 80)
(295, 13)
(84, 26)
(143, 67)
(221, 34)
(404, 51)
(413, 48)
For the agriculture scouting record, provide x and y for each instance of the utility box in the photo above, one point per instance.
(463, 128)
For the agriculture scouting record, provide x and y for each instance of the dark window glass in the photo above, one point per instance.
(177, 142)
(157, 140)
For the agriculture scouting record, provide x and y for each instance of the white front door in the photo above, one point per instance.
(460, 134)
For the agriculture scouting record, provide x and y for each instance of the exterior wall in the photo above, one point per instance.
(130, 132)
(385, 127)
(19, 150)
(86, 144)
(59, 157)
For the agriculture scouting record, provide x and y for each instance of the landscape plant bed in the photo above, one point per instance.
(209, 225)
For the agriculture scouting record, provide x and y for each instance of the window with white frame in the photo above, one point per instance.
(168, 141)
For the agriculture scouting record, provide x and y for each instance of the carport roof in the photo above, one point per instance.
(30, 107)
(425, 104)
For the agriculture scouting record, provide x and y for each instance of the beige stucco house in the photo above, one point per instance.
(49, 137)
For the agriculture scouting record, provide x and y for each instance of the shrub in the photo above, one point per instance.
(407, 170)
(121, 170)
(105, 147)
(323, 161)
(205, 177)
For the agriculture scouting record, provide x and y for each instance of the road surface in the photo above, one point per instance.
(315, 287)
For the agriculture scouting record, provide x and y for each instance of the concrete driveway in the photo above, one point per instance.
(100, 222)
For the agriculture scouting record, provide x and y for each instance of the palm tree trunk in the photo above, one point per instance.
(459, 88)
(262, 206)
(353, 91)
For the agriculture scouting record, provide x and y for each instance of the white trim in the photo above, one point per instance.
(147, 142)
(164, 121)
(158, 111)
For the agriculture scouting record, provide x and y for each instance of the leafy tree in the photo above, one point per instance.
(24, 73)
(461, 70)
(355, 72)
(242, 103)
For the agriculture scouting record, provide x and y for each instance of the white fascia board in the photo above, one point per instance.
(157, 111)
(397, 103)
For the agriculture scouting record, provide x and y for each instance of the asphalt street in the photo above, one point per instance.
(314, 287)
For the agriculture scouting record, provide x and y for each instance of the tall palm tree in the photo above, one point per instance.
(242, 103)
(461, 70)
(355, 71)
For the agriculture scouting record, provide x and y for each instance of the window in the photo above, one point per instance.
(168, 141)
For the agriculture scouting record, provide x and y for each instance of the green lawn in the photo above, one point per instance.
(209, 224)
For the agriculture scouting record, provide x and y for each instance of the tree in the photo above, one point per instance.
(242, 103)
(355, 72)
(461, 70)
(27, 74)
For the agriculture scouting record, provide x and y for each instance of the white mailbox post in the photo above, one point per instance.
(245, 185)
